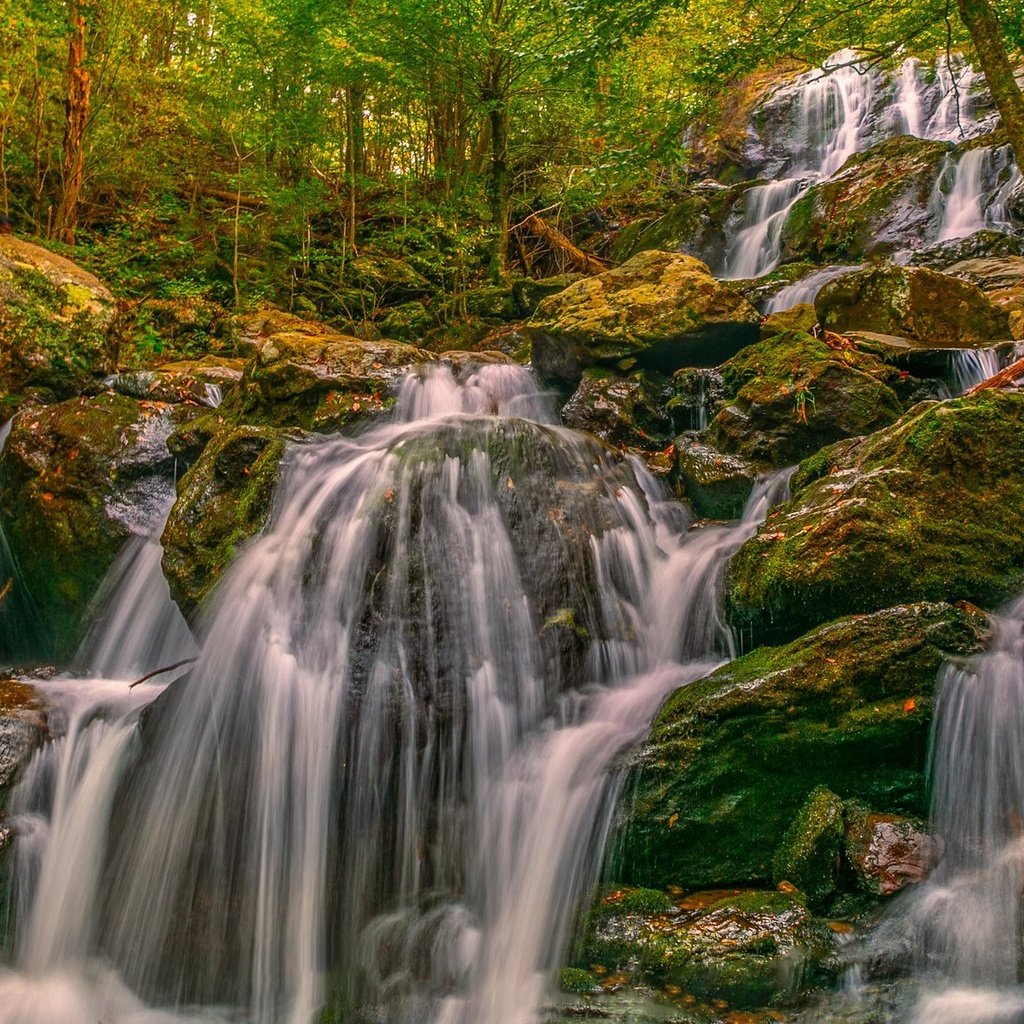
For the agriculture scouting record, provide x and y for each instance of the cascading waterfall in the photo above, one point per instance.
(806, 289)
(963, 925)
(848, 106)
(388, 779)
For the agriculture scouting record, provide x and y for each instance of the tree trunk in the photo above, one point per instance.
(498, 184)
(77, 115)
(980, 18)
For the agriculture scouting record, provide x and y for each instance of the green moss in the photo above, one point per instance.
(808, 855)
(576, 979)
(931, 508)
(732, 758)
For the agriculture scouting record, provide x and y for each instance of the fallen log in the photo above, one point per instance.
(553, 237)
(226, 196)
(1006, 376)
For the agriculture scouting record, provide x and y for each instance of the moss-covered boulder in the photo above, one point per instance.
(808, 855)
(76, 480)
(932, 309)
(183, 329)
(409, 322)
(877, 204)
(732, 758)
(202, 381)
(931, 508)
(1002, 280)
(746, 948)
(530, 292)
(320, 380)
(223, 500)
(659, 311)
(801, 318)
(389, 279)
(628, 411)
(794, 394)
(55, 325)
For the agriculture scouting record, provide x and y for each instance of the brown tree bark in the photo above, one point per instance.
(980, 18)
(76, 107)
(554, 238)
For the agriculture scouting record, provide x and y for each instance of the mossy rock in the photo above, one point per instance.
(629, 411)
(76, 480)
(409, 322)
(928, 509)
(202, 381)
(732, 758)
(55, 324)
(809, 854)
(800, 318)
(659, 311)
(749, 949)
(932, 309)
(877, 204)
(793, 394)
(530, 292)
(321, 381)
(717, 485)
(389, 279)
(223, 501)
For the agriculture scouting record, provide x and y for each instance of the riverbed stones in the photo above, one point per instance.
(930, 508)
(930, 309)
(658, 311)
(732, 758)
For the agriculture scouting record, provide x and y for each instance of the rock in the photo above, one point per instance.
(317, 380)
(732, 758)
(181, 329)
(223, 500)
(717, 485)
(1002, 280)
(699, 394)
(621, 411)
(877, 204)
(747, 948)
(794, 394)
(22, 732)
(931, 508)
(929, 366)
(660, 311)
(390, 280)
(935, 310)
(808, 855)
(55, 325)
(800, 318)
(887, 851)
(76, 480)
(530, 292)
(942, 255)
(495, 303)
(201, 381)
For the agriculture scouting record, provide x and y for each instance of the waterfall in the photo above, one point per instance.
(973, 192)
(806, 289)
(970, 366)
(847, 106)
(963, 925)
(388, 779)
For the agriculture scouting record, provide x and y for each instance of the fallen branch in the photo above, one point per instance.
(6, 589)
(575, 255)
(161, 671)
(1009, 375)
(232, 198)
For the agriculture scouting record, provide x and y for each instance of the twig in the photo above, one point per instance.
(161, 671)
(998, 380)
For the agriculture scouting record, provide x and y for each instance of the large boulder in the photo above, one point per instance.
(77, 479)
(731, 759)
(794, 393)
(659, 311)
(931, 508)
(1002, 280)
(930, 309)
(55, 325)
(628, 411)
(876, 205)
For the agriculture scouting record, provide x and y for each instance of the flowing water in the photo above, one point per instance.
(961, 928)
(848, 106)
(387, 781)
(806, 289)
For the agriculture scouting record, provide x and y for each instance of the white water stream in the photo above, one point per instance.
(388, 780)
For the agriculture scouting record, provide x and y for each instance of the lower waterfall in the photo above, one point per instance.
(386, 784)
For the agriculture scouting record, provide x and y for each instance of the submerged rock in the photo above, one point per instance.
(660, 311)
(794, 394)
(76, 480)
(931, 508)
(931, 309)
(732, 758)
(745, 948)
